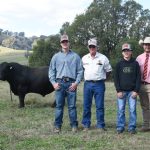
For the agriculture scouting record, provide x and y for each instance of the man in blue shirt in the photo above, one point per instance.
(65, 73)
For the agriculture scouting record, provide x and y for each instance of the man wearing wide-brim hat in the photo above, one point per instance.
(144, 62)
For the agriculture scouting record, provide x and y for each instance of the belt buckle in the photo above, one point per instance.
(145, 83)
(65, 79)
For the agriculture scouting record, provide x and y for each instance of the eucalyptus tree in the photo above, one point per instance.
(44, 50)
(110, 21)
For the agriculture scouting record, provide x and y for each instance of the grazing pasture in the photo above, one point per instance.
(11, 55)
(31, 128)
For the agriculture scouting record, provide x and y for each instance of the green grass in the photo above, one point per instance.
(31, 128)
(11, 55)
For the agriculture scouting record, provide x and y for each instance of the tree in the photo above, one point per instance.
(64, 27)
(110, 21)
(44, 50)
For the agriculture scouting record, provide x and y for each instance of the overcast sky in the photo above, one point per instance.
(42, 17)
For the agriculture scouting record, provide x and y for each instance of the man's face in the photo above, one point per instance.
(92, 49)
(65, 44)
(146, 47)
(127, 53)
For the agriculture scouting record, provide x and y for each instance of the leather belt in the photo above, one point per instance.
(145, 83)
(94, 81)
(65, 79)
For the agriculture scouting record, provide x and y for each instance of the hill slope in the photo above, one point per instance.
(11, 55)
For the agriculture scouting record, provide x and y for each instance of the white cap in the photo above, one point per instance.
(92, 42)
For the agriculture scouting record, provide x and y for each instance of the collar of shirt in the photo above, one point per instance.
(64, 52)
(89, 55)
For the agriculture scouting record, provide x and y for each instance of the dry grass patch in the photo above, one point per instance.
(11, 55)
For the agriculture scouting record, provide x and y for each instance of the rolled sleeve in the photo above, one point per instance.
(52, 71)
(79, 71)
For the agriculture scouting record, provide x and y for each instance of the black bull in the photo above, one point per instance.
(24, 80)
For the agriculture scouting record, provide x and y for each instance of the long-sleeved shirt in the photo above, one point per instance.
(66, 65)
(127, 76)
(141, 60)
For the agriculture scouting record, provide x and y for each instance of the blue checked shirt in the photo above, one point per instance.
(65, 65)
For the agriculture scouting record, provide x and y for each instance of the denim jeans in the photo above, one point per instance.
(60, 102)
(97, 90)
(121, 103)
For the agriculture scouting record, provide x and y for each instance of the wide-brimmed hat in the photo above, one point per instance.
(126, 46)
(146, 41)
(92, 42)
(64, 38)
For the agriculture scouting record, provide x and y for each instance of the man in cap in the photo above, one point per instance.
(127, 84)
(96, 70)
(65, 73)
(144, 62)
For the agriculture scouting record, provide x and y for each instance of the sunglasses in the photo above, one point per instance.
(64, 41)
(126, 50)
(92, 46)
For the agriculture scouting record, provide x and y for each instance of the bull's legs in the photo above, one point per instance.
(21, 100)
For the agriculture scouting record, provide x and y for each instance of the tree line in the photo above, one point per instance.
(112, 22)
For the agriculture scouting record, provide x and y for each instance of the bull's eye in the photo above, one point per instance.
(10, 67)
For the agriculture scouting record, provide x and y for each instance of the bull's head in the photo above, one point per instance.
(5, 68)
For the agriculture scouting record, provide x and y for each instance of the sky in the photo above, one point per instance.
(43, 17)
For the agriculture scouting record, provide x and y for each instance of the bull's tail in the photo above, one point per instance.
(11, 95)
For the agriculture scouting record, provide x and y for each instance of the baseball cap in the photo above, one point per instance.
(92, 42)
(126, 46)
(64, 38)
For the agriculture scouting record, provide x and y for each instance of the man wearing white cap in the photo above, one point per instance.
(127, 83)
(65, 73)
(144, 62)
(96, 69)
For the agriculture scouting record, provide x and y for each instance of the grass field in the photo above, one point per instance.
(11, 55)
(31, 128)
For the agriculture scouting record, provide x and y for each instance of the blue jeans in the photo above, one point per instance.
(96, 89)
(121, 103)
(60, 102)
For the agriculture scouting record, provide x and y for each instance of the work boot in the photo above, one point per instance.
(57, 130)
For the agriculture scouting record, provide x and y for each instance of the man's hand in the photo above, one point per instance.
(73, 87)
(134, 94)
(56, 86)
(120, 94)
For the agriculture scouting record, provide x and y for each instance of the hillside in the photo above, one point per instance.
(11, 55)
(18, 40)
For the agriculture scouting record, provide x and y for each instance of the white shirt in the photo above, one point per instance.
(96, 68)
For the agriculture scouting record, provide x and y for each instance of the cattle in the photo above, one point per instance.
(23, 80)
